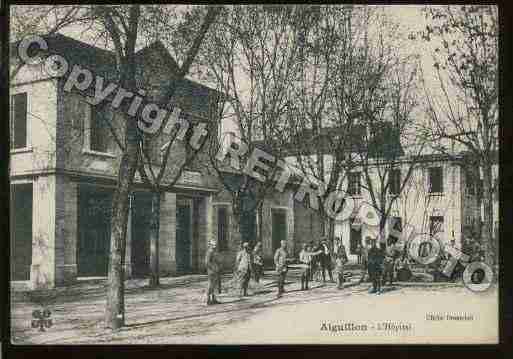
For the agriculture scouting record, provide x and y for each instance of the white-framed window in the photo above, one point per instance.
(436, 180)
(97, 132)
(394, 185)
(223, 228)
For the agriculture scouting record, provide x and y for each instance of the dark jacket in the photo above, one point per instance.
(376, 258)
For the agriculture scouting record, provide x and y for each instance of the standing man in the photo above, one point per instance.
(212, 265)
(243, 265)
(389, 264)
(280, 261)
(375, 266)
(341, 260)
(314, 261)
(306, 260)
(305, 257)
(364, 260)
(258, 261)
(325, 259)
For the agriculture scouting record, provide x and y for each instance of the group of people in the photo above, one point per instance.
(379, 262)
(319, 258)
(315, 260)
(247, 264)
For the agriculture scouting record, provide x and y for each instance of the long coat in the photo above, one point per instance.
(375, 260)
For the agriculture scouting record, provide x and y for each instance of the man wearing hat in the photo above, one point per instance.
(314, 263)
(341, 260)
(243, 267)
(375, 265)
(325, 259)
(212, 265)
(305, 257)
(364, 250)
(280, 261)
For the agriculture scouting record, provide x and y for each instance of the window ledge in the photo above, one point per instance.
(436, 194)
(96, 153)
(21, 150)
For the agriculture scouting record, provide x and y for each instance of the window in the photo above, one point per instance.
(435, 224)
(394, 185)
(355, 237)
(436, 180)
(99, 131)
(19, 120)
(222, 228)
(354, 187)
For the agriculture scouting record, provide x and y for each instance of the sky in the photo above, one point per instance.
(408, 17)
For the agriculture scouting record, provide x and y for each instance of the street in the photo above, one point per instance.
(176, 313)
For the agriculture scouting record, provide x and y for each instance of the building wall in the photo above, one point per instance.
(307, 226)
(416, 205)
(227, 257)
(54, 231)
(39, 155)
(282, 201)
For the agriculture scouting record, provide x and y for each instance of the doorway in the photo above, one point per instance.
(21, 231)
(279, 227)
(183, 236)
(141, 220)
(94, 217)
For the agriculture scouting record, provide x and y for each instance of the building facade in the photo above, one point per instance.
(63, 172)
(440, 199)
(63, 175)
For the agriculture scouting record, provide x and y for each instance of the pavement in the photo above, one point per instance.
(176, 312)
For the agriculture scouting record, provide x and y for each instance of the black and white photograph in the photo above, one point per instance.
(253, 174)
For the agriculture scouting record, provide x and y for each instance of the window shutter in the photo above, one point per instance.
(19, 121)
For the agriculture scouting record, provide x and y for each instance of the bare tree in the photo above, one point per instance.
(119, 26)
(391, 150)
(124, 36)
(252, 58)
(154, 176)
(356, 99)
(464, 109)
(325, 37)
(44, 20)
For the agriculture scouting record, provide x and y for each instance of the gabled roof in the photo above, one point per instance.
(159, 48)
(383, 141)
(191, 95)
(103, 62)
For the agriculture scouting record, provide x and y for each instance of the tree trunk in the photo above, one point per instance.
(331, 223)
(115, 310)
(382, 224)
(154, 239)
(487, 229)
(260, 224)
